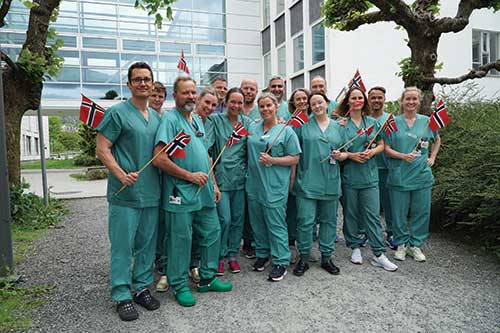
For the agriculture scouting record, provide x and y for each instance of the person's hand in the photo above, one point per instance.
(430, 161)
(217, 193)
(409, 157)
(265, 159)
(358, 157)
(342, 121)
(129, 178)
(336, 154)
(199, 178)
(281, 121)
(367, 154)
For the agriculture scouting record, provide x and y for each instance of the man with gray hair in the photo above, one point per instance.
(318, 85)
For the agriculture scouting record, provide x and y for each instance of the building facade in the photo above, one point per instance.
(30, 138)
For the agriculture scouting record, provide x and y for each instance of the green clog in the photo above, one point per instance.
(216, 285)
(185, 297)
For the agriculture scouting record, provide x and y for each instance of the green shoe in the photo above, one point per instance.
(185, 297)
(216, 285)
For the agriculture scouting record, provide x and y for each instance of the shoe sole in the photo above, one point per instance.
(357, 262)
(417, 260)
(278, 278)
(261, 269)
(219, 274)
(236, 271)
(162, 290)
(376, 264)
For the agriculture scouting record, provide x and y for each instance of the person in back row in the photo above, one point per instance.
(220, 86)
(318, 85)
(277, 88)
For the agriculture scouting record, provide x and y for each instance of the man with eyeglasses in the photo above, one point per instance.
(189, 198)
(277, 88)
(125, 143)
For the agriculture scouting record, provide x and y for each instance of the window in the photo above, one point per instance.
(280, 6)
(485, 49)
(279, 30)
(298, 82)
(138, 45)
(282, 61)
(266, 15)
(27, 149)
(318, 43)
(98, 43)
(12, 38)
(266, 40)
(298, 53)
(37, 146)
(317, 71)
(210, 49)
(296, 18)
(267, 67)
(314, 10)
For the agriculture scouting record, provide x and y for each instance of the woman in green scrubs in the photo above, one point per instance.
(410, 177)
(230, 172)
(317, 187)
(267, 186)
(360, 180)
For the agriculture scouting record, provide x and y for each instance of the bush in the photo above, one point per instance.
(86, 160)
(466, 195)
(97, 174)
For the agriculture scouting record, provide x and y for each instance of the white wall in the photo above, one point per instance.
(29, 128)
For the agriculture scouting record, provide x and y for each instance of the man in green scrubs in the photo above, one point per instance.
(186, 211)
(125, 143)
(277, 88)
(318, 85)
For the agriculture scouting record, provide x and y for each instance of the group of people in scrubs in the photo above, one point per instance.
(273, 187)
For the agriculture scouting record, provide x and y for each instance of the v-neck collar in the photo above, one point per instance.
(139, 115)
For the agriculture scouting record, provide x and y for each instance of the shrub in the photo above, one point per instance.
(466, 195)
(86, 160)
(97, 174)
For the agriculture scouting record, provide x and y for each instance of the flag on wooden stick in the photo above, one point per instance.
(238, 132)
(439, 118)
(182, 65)
(176, 147)
(90, 112)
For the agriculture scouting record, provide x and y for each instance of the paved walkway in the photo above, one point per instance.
(456, 290)
(62, 186)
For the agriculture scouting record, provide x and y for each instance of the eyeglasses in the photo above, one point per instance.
(138, 80)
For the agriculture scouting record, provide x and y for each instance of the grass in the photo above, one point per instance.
(79, 176)
(50, 164)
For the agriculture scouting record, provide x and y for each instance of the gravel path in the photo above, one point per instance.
(456, 290)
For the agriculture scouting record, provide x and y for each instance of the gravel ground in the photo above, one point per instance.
(456, 290)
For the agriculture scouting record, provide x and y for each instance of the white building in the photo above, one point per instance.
(30, 138)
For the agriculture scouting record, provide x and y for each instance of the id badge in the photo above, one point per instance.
(411, 135)
(417, 152)
(333, 161)
(424, 145)
(174, 200)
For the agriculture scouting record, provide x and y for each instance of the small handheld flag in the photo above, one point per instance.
(390, 125)
(90, 112)
(176, 148)
(298, 119)
(357, 81)
(182, 65)
(366, 131)
(439, 118)
(238, 132)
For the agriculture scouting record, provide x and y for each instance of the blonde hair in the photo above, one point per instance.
(407, 90)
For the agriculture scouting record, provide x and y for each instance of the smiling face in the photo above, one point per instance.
(411, 101)
(277, 87)
(234, 104)
(185, 96)
(206, 105)
(156, 100)
(319, 106)
(300, 101)
(356, 100)
(267, 109)
(220, 87)
(376, 100)
(249, 88)
(318, 85)
(140, 83)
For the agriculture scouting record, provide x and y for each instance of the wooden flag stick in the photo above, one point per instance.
(151, 161)
(276, 138)
(423, 132)
(212, 167)
(377, 133)
(343, 146)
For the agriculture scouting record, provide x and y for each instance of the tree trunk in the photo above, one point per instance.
(423, 58)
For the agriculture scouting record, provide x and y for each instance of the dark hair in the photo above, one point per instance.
(159, 87)
(182, 79)
(291, 104)
(379, 88)
(231, 91)
(139, 65)
(343, 107)
(327, 100)
(220, 78)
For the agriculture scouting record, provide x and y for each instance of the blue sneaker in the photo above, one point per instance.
(389, 242)
(364, 240)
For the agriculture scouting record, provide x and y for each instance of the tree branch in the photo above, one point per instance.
(461, 19)
(8, 61)
(481, 72)
(368, 18)
(3, 11)
(398, 11)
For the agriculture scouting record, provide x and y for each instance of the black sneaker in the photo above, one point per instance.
(364, 240)
(260, 264)
(248, 251)
(330, 267)
(145, 299)
(277, 273)
(126, 310)
(300, 268)
(389, 242)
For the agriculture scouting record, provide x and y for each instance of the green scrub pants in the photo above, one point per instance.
(362, 205)
(291, 218)
(204, 224)
(132, 234)
(231, 211)
(419, 204)
(161, 241)
(247, 234)
(385, 200)
(308, 212)
(270, 231)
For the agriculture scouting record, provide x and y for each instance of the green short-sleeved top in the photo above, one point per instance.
(283, 111)
(360, 175)
(268, 185)
(382, 157)
(133, 139)
(331, 106)
(315, 180)
(230, 170)
(196, 160)
(404, 176)
(254, 113)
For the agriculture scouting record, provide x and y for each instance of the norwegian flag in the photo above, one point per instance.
(91, 113)
(390, 125)
(366, 131)
(176, 147)
(356, 81)
(238, 132)
(298, 119)
(182, 65)
(439, 118)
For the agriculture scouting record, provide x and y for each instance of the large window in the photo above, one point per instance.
(318, 43)
(282, 61)
(267, 67)
(280, 6)
(296, 18)
(298, 53)
(485, 48)
(266, 13)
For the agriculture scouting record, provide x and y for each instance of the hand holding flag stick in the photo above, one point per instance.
(438, 119)
(298, 119)
(389, 126)
(360, 132)
(175, 147)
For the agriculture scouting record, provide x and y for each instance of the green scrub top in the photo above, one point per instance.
(404, 176)
(331, 106)
(180, 195)
(268, 185)
(133, 139)
(382, 157)
(360, 175)
(254, 113)
(283, 111)
(231, 168)
(315, 180)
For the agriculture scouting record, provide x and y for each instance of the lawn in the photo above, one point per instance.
(50, 164)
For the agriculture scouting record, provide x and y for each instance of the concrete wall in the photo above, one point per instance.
(30, 138)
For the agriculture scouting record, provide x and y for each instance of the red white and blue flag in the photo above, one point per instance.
(366, 131)
(176, 147)
(90, 112)
(356, 81)
(298, 119)
(182, 65)
(439, 118)
(390, 125)
(238, 132)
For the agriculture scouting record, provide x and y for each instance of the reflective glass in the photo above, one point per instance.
(210, 65)
(17, 20)
(129, 58)
(61, 91)
(13, 53)
(210, 49)
(129, 28)
(69, 41)
(99, 59)
(71, 58)
(99, 75)
(131, 13)
(176, 32)
(280, 6)
(282, 61)
(65, 24)
(210, 35)
(208, 20)
(168, 77)
(68, 8)
(212, 6)
(98, 43)
(97, 11)
(267, 67)
(138, 45)
(176, 48)
(298, 53)
(183, 4)
(182, 18)
(67, 74)
(170, 63)
(101, 27)
(98, 91)
(318, 43)
(12, 38)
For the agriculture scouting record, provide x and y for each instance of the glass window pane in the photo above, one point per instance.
(266, 13)
(101, 27)
(176, 48)
(183, 4)
(98, 43)
(67, 74)
(266, 40)
(318, 43)
(209, 35)
(212, 6)
(298, 53)
(137, 28)
(100, 75)
(71, 58)
(296, 18)
(267, 67)
(138, 45)
(69, 41)
(210, 49)
(182, 18)
(282, 61)
(314, 10)
(170, 63)
(99, 59)
(298, 82)
(65, 24)
(16, 19)
(476, 48)
(128, 59)
(61, 91)
(13, 53)
(279, 30)
(317, 71)
(210, 65)
(280, 6)
(97, 91)
(176, 32)
(208, 20)
(12, 38)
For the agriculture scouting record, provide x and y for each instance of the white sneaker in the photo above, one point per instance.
(293, 254)
(400, 253)
(356, 257)
(162, 285)
(382, 261)
(416, 253)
